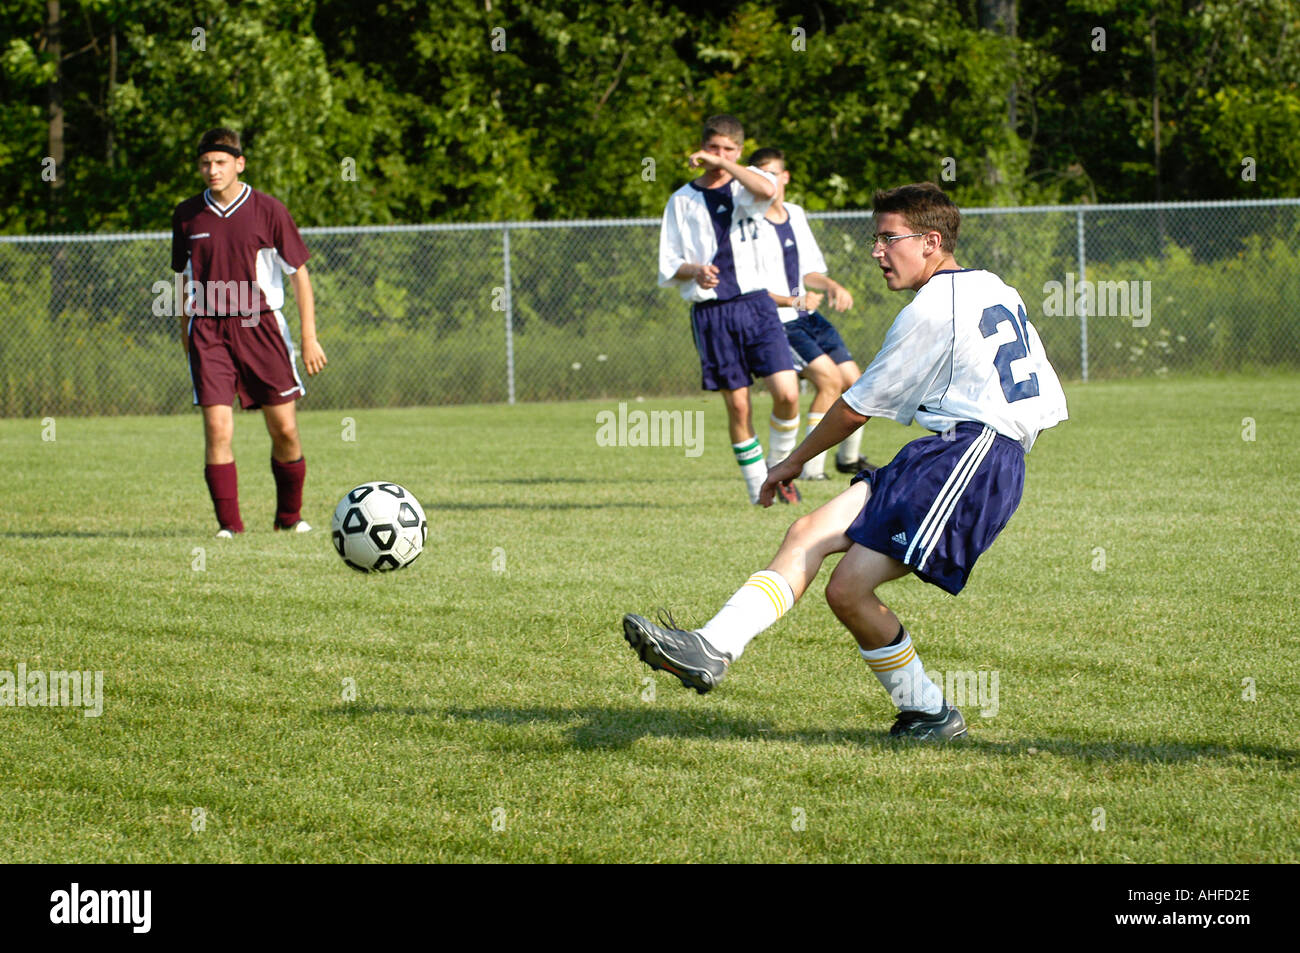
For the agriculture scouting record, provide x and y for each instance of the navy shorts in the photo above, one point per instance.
(811, 336)
(942, 501)
(739, 339)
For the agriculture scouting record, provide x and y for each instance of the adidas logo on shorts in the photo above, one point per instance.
(900, 538)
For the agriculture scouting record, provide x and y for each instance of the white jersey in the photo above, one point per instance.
(789, 253)
(963, 350)
(715, 227)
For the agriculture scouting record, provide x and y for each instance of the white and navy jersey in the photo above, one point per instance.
(714, 227)
(790, 253)
(236, 253)
(963, 350)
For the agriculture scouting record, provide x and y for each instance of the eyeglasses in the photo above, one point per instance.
(887, 240)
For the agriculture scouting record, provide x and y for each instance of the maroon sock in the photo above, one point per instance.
(288, 490)
(223, 486)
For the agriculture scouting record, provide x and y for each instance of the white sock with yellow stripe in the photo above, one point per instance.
(763, 599)
(900, 672)
(815, 468)
(783, 435)
(851, 448)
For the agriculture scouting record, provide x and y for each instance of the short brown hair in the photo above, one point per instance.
(763, 156)
(219, 137)
(724, 125)
(924, 206)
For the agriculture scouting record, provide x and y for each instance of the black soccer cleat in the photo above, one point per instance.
(947, 725)
(685, 654)
(856, 466)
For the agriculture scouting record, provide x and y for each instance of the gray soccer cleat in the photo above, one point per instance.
(685, 654)
(919, 726)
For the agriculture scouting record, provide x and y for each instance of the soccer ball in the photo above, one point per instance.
(378, 527)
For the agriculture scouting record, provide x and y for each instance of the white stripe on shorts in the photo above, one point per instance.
(293, 365)
(942, 508)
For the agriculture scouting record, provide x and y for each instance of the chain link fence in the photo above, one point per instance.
(447, 314)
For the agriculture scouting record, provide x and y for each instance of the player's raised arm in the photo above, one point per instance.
(759, 185)
(313, 358)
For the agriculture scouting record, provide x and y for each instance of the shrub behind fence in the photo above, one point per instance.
(445, 314)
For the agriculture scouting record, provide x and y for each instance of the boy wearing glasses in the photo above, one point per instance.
(961, 359)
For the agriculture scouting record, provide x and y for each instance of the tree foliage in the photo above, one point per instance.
(408, 112)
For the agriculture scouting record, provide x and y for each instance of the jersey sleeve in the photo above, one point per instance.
(288, 242)
(747, 203)
(671, 246)
(810, 254)
(912, 363)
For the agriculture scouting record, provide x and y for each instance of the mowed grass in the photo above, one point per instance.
(1146, 587)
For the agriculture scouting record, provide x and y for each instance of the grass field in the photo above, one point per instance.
(1139, 612)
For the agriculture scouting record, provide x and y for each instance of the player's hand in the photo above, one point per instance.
(811, 300)
(704, 159)
(840, 299)
(313, 358)
(783, 472)
(707, 276)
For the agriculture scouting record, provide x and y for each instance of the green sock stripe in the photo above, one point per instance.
(748, 453)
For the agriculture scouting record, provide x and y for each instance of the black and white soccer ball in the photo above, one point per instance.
(378, 527)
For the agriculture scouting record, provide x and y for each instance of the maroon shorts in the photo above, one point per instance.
(251, 357)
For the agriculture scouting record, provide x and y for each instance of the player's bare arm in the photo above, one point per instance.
(837, 295)
(808, 301)
(706, 276)
(313, 358)
(760, 185)
(840, 421)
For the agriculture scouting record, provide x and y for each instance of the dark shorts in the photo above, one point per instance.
(249, 357)
(941, 502)
(739, 339)
(811, 336)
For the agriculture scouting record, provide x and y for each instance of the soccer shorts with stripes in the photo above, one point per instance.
(942, 501)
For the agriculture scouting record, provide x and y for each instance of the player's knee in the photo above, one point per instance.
(839, 595)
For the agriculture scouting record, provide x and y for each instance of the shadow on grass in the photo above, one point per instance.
(613, 728)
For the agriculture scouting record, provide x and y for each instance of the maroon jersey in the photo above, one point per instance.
(236, 254)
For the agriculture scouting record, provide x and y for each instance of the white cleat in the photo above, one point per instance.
(302, 526)
(224, 533)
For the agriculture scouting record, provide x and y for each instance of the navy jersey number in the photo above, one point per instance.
(1010, 351)
(748, 229)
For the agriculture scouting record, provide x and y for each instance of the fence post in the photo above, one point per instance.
(1083, 303)
(510, 316)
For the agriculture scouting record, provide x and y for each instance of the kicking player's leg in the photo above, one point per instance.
(825, 376)
(886, 647)
(700, 658)
(288, 465)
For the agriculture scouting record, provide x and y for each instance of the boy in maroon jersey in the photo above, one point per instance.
(232, 244)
